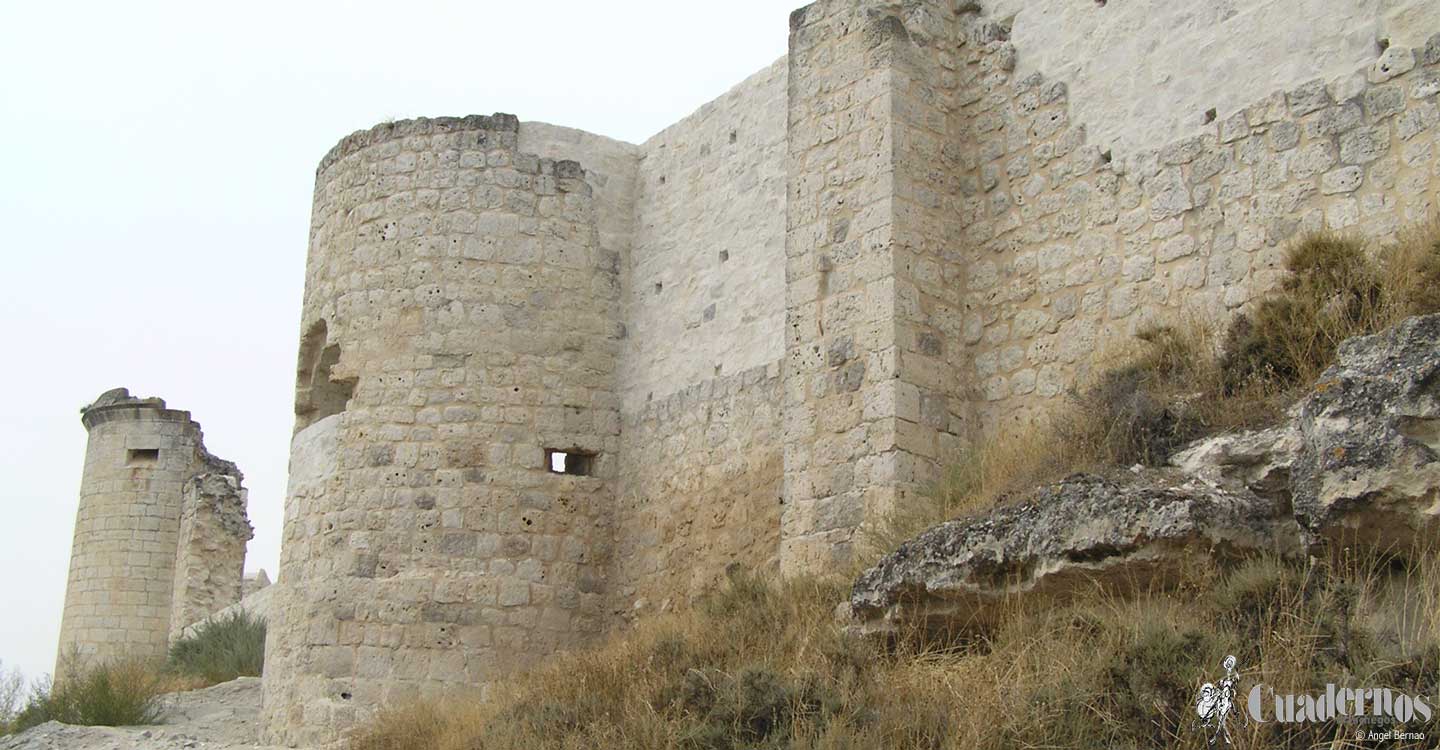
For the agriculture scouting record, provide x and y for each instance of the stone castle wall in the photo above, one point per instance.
(701, 490)
(706, 282)
(467, 307)
(704, 290)
(783, 315)
(1071, 249)
(1142, 73)
(129, 571)
(871, 405)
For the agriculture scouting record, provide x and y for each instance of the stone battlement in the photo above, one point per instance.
(420, 126)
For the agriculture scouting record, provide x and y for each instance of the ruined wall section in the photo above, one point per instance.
(1143, 73)
(121, 590)
(466, 305)
(704, 296)
(210, 559)
(701, 490)
(1072, 248)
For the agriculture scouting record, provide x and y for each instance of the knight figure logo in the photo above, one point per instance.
(1216, 705)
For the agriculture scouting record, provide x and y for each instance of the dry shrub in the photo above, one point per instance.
(763, 664)
(1141, 410)
(1335, 290)
(12, 695)
(1178, 383)
(117, 693)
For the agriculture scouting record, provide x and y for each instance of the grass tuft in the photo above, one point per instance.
(1334, 290)
(221, 650)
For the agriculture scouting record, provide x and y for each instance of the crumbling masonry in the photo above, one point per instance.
(549, 381)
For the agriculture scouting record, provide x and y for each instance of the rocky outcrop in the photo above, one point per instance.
(1368, 470)
(1355, 462)
(1081, 534)
(1258, 461)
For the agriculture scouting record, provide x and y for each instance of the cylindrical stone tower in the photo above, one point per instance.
(119, 600)
(452, 471)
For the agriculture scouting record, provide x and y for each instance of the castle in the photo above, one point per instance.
(549, 381)
(159, 535)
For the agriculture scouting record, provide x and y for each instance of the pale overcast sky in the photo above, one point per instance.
(158, 161)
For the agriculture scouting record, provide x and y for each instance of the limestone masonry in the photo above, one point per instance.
(549, 382)
(159, 536)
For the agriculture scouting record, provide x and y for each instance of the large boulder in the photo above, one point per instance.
(1355, 462)
(1075, 536)
(1368, 471)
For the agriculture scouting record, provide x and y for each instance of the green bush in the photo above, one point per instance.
(115, 694)
(221, 650)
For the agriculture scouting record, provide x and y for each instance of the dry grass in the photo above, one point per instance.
(763, 665)
(1337, 288)
(991, 473)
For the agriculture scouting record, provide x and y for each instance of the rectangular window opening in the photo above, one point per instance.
(571, 461)
(142, 456)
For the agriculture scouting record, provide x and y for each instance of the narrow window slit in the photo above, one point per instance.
(571, 461)
(142, 456)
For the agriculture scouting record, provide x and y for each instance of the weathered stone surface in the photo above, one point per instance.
(1309, 97)
(1369, 469)
(1067, 538)
(1342, 180)
(1258, 461)
(210, 560)
(1394, 61)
